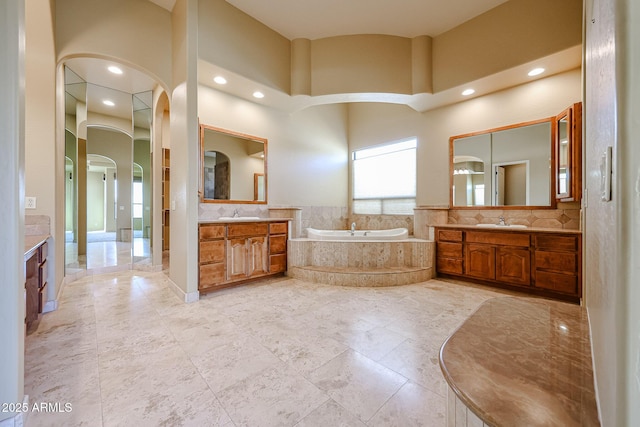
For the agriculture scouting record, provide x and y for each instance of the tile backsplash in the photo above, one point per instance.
(37, 225)
(566, 216)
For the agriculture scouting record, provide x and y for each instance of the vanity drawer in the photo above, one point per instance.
(449, 265)
(277, 244)
(211, 231)
(211, 275)
(211, 251)
(277, 263)
(450, 235)
(559, 261)
(449, 250)
(507, 239)
(252, 229)
(44, 251)
(557, 243)
(278, 228)
(566, 283)
(41, 298)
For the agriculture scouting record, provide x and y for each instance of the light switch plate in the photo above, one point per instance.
(29, 202)
(605, 174)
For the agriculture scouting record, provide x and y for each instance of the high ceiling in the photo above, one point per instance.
(315, 19)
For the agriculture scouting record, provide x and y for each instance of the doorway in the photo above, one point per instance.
(511, 183)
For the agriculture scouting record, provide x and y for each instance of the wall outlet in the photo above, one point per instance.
(29, 202)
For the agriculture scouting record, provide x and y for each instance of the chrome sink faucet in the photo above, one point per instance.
(501, 221)
(353, 228)
(236, 214)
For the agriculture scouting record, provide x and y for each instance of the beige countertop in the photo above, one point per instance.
(242, 220)
(516, 229)
(523, 361)
(31, 243)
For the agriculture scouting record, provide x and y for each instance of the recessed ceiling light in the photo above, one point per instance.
(114, 69)
(220, 80)
(536, 72)
(109, 103)
(258, 94)
(468, 92)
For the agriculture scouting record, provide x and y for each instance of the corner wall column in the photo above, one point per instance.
(12, 277)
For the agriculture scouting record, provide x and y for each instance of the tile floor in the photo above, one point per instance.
(124, 350)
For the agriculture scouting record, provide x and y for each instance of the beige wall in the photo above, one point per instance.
(511, 34)
(371, 124)
(612, 236)
(361, 63)
(119, 29)
(307, 150)
(235, 41)
(40, 129)
(507, 36)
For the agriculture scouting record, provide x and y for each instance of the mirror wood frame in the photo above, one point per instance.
(552, 165)
(573, 167)
(203, 128)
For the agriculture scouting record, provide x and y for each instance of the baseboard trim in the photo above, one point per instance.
(50, 306)
(187, 297)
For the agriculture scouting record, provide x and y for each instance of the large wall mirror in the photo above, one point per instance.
(233, 167)
(108, 176)
(504, 167)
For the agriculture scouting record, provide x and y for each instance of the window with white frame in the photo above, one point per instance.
(384, 179)
(137, 199)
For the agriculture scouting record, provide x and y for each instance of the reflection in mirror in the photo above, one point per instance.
(108, 162)
(142, 177)
(563, 158)
(507, 166)
(75, 117)
(109, 129)
(233, 166)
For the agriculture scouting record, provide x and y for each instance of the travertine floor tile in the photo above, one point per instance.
(124, 350)
(411, 406)
(330, 414)
(357, 383)
(278, 396)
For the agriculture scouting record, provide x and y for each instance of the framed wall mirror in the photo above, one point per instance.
(504, 167)
(233, 167)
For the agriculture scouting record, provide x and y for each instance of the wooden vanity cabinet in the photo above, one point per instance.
(547, 264)
(278, 247)
(247, 251)
(558, 265)
(449, 251)
(503, 257)
(36, 271)
(211, 256)
(234, 253)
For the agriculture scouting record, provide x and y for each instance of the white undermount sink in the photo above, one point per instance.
(238, 218)
(500, 226)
